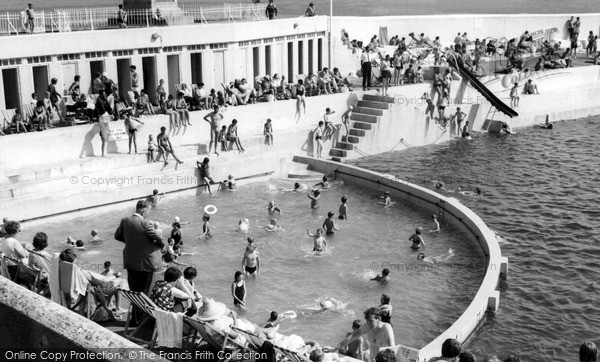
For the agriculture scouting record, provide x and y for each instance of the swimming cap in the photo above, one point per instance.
(326, 304)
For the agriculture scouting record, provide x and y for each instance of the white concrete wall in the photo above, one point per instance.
(454, 212)
(138, 38)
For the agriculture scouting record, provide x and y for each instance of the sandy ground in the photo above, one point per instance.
(292, 8)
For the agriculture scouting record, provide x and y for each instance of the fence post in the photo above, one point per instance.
(147, 19)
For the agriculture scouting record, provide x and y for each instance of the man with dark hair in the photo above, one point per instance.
(30, 18)
(142, 253)
(271, 11)
(379, 334)
(387, 355)
(122, 17)
(450, 350)
(310, 10)
(588, 352)
(55, 97)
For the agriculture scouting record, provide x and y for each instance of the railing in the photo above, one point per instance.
(95, 18)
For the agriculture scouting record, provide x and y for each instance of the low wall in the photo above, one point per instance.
(33, 324)
(451, 210)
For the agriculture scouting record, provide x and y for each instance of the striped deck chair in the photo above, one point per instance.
(83, 304)
(254, 341)
(290, 356)
(211, 336)
(146, 305)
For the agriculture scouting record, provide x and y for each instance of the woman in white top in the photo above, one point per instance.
(11, 246)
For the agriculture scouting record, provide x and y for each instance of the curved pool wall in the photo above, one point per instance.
(452, 211)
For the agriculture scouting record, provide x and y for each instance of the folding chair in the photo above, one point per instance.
(28, 276)
(90, 298)
(8, 115)
(3, 268)
(254, 341)
(209, 335)
(290, 356)
(146, 305)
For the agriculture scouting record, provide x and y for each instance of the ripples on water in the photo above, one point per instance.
(294, 279)
(540, 193)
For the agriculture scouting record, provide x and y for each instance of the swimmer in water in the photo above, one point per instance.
(244, 225)
(416, 239)
(436, 224)
(320, 244)
(388, 200)
(273, 226)
(324, 184)
(476, 193)
(343, 211)
(506, 128)
(329, 225)
(180, 222)
(297, 187)
(272, 208)
(314, 198)
(230, 183)
(95, 236)
(206, 227)
(383, 278)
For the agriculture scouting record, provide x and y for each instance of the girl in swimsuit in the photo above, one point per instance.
(301, 99)
(397, 68)
(318, 132)
(182, 108)
(416, 239)
(238, 289)
(172, 112)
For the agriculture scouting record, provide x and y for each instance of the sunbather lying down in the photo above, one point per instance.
(222, 319)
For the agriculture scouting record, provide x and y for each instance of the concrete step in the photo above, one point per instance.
(338, 153)
(344, 146)
(362, 125)
(305, 174)
(350, 139)
(364, 118)
(371, 104)
(357, 132)
(376, 98)
(371, 111)
(336, 159)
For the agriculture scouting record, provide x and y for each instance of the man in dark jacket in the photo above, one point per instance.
(142, 255)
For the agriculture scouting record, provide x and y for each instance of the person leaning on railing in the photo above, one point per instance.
(271, 11)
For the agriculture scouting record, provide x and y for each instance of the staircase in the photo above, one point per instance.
(366, 114)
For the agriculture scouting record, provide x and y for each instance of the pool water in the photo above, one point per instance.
(540, 193)
(427, 298)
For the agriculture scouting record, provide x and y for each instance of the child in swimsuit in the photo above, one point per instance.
(272, 208)
(416, 239)
(320, 244)
(343, 209)
(206, 227)
(324, 184)
(314, 199)
(273, 226)
(238, 289)
(151, 147)
(388, 200)
(223, 138)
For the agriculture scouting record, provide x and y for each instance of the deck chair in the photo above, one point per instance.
(132, 100)
(8, 115)
(3, 268)
(28, 276)
(209, 335)
(255, 342)
(290, 356)
(146, 305)
(83, 304)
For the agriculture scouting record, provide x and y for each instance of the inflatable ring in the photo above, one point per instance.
(210, 209)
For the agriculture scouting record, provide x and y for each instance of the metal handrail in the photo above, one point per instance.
(104, 17)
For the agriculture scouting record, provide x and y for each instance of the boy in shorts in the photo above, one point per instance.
(343, 209)
(319, 244)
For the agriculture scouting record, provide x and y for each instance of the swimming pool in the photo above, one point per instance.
(427, 298)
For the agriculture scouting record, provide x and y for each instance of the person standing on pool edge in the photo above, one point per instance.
(251, 260)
